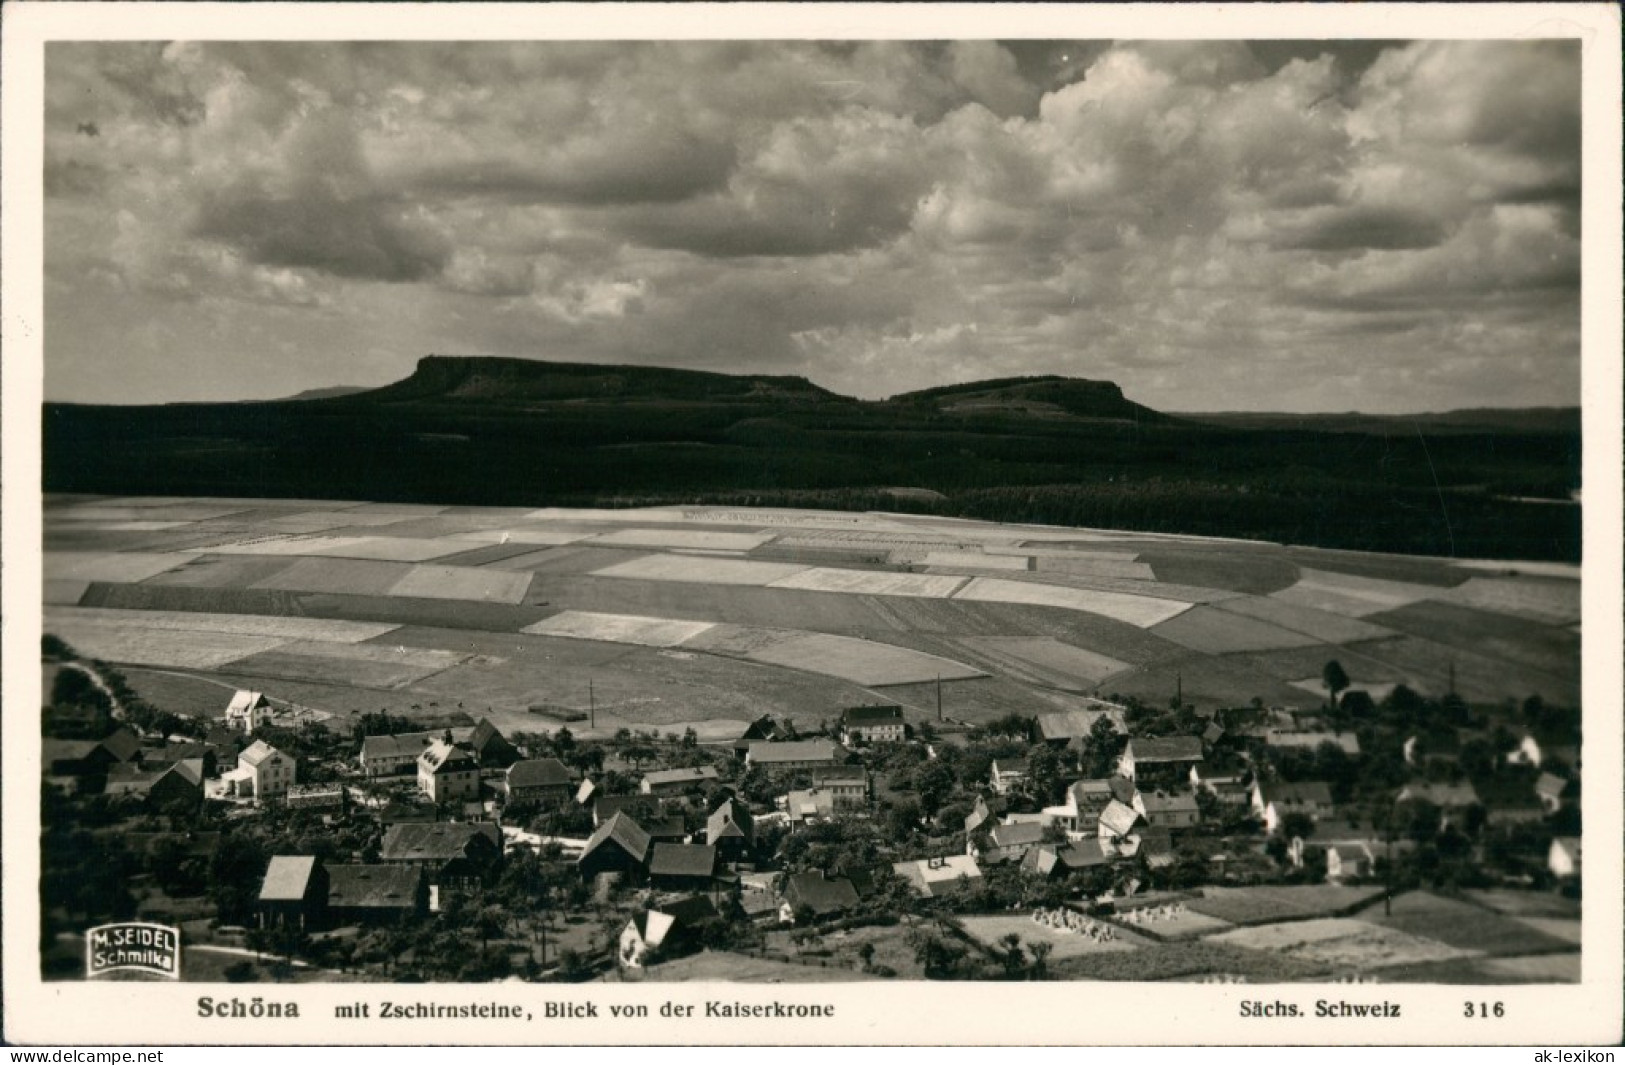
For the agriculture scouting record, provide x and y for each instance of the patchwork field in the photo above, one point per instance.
(988, 929)
(720, 614)
(1342, 944)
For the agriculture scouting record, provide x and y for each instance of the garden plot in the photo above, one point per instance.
(1097, 567)
(1137, 610)
(694, 538)
(1555, 602)
(1329, 628)
(976, 560)
(463, 582)
(1215, 632)
(1264, 904)
(1340, 593)
(619, 628)
(990, 929)
(861, 661)
(1083, 668)
(341, 576)
(870, 582)
(121, 567)
(171, 648)
(281, 628)
(1343, 943)
(521, 534)
(696, 569)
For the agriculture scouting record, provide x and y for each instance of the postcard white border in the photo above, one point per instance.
(907, 1013)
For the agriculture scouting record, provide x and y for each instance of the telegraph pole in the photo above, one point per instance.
(592, 707)
(939, 698)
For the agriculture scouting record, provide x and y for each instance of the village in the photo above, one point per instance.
(1118, 841)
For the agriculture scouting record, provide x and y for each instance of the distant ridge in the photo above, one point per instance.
(1476, 420)
(1046, 395)
(333, 392)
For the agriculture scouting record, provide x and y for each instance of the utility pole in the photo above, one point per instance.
(939, 698)
(592, 707)
(1179, 690)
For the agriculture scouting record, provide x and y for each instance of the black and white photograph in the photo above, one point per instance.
(782, 520)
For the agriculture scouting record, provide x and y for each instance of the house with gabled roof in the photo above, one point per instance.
(673, 928)
(1563, 857)
(451, 853)
(1072, 728)
(1007, 774)
(662, 782)
(1015, 840)
(795, 754)
(682, 866)
(873, 724)
(247, 711)
(448, 773)
(160, 787)
(1549, 789)
(1080, 813)
(979, 815)
(939, 877)
(490, 747)
(1349, 861)
(1117, 822)
(1449, 798)
(731, 829)
(262, 773)
(1053, 860)
(1155, 759)
(640, 807)
(1274, 800)
(825, 896)
(809, 805)
(376, 894)
(764, 728)
(543, 780)
(293, 893)
(1293, 740)
(1175, 810)
(619, 845)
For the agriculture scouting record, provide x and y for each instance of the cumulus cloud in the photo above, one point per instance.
(1186, 218)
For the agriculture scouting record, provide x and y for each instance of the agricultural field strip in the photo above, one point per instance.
(1141, 611)
(475, 583)
(174, 648)
(673, 538)
(400, 580)
(1049, 654)
(284, 628)
(116, 566)
(521, 535)
(1091, 553)
(64, 593)
(975, 560)
(1089, 567)
(1340, 593)
(178, 512)
(1342, 942)
(1212, 631)
(1320, 624)
(870, 582)
(1557, 570)
(1554, 602)
(700, 570)
(619, 628)
(84, 524)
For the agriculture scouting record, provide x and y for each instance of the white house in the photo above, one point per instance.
(1349, 861)
(262, 773)
(247, 711)
(1007, 775)
(448, 772)
(1564, 857)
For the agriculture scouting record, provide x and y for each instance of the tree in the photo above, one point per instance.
(866, 954)
(933, 782)
(1044, 779)
(1041, 952)
(1102, 748)
(1336, 680)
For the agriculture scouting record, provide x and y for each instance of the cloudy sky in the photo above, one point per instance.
(1381, 226)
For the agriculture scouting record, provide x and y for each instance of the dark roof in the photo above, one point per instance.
(730, 818)
(1016, 835)
(1082, 854)
(771, 752)
(819, 893)
(665, 827)
(538, 773)
(373, 887)
(1316, 792)
(443, 757)
(487, 737)
(688, 775)
(1123, 789)
(122, 745)
(689, 910)
(624, 833)
(435, 841)
(872, 715)
(682, 859)
(1166, 749)
(1158, 803)
(605, 807)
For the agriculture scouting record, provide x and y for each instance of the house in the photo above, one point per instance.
(682, 866)
(825, 896)
(1171, 810)
(1072, 728)
(1007, 775)
(1311, 741)
(1116, 822)
(1538, 753)
(247, 711)
(263, 773)
(937, 877)
(1449, 798)
(619, 845)
(1349, 861)
(69, 761)
(452, 854)
(1549, 790)
(293, 893)
(376, 894)
(539, 780)
(848, 785)
(1085, 800)
(162, 787)
(873, 724)
(383, 756)
(1156, 850)
(1008, 842)
(491, 749)
(169, 754)
(1166, 759)
(809, 805)
(978, 816)
(763, 728)
(795, 754)
(1051, 860)
(1563, 859)
(731, 829)
(677, 781)
(448, 773)
(655, 934)
(1273, 801)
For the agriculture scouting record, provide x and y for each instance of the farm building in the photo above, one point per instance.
(677, 781)
(1549, 790)
(1171, 810)
(1166, 759)
(1116, 822)
(383, 756)
(795, 754)
(682, 866)
(1348, 742)
(161, 787)
(1273, 801)
(1072, 728)
(247, 711)
(640, 807)
(731, 829)
(672, 929)
(1449, 798)
(873, 724)
(448, 773)
(620, 845)
(1349, 861)
(545, 780)
(807, 805)
(490, 747)
(1008, 842)
(764, 728)
(978, 816)
(1085, 799)
(1053, 860)
(824, 895)
(450, 853)
(375, 894)
(936, 877)
(293, 893)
